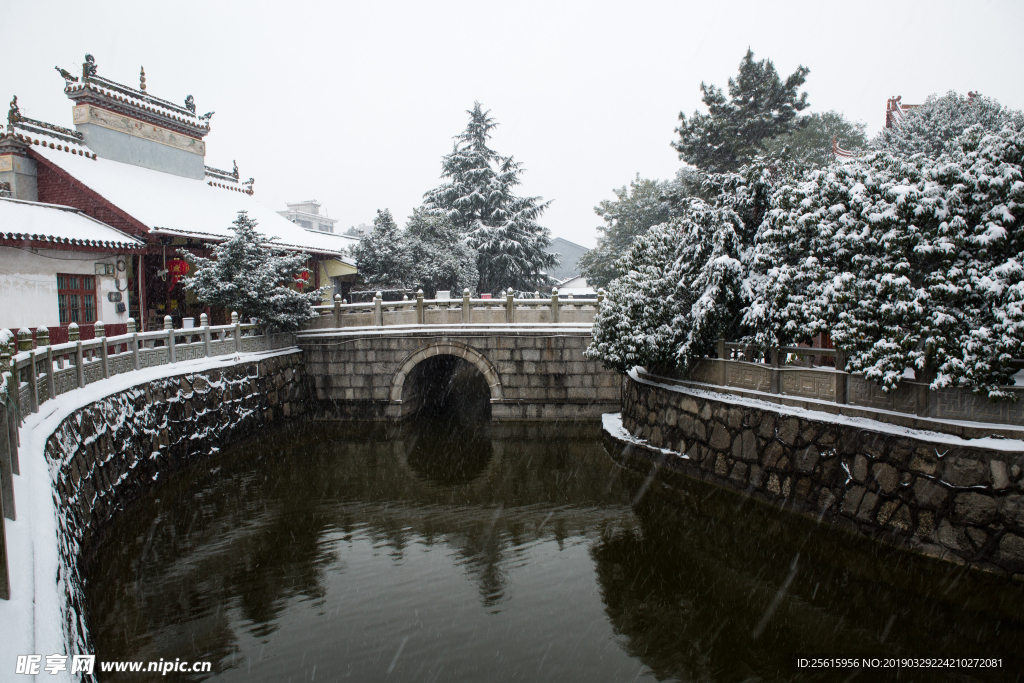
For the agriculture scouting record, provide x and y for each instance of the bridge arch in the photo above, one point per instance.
(449, 348)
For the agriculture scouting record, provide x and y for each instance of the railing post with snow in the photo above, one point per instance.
(554, 304)
(75, 336)
(841, 376)
(510, 306)
(33, 377)
(204, 322)
(337, 310)
(420, 315)
(776, 361)
(169, 328)
(5, 581)
(721, 361)
(238, 331)
(465, 306)
(101, 334)
(135, 344)
(43, 339)
(378, 311)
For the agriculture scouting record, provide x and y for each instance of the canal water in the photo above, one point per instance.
(440, 551)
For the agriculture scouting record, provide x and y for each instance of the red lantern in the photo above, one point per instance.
(177, 268)
(302, 279)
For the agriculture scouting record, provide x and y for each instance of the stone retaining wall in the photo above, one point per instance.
(104, 456)
(942, 498)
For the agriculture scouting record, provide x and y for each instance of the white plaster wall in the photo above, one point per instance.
(28, 285)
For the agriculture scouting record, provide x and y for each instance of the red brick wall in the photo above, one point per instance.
(57, 186)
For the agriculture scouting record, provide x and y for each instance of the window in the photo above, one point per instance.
(76, 298)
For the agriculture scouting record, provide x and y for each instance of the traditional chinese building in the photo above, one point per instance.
(135, 164)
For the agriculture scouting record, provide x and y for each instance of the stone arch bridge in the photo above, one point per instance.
(532, 372)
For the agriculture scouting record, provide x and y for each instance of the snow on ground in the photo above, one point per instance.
(31, 622)
(612, 423)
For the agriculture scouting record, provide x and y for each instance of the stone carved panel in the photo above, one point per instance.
(190, 351)
(121, 364)
(748, 376)
(961, 404)
(93, 372)
(85, 113)
(24, 401)
(151, 357)
(6, 163)
(705, 371)
(870, 395)
(252, 344)
(65, 380)
(808, 384)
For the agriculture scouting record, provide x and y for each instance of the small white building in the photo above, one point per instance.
(307, 215)
(61, 266)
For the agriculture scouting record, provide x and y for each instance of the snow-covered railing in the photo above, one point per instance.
(31, 376)
(811, 373)
(464, 311)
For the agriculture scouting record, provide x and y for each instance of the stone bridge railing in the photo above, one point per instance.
(32, 376)
(800, 372)
(464, 311)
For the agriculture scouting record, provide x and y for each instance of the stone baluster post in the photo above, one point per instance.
(238, 331)
(841, 376)
(420, 315)
(6, 472)
(776, 361)
(169, 329)
(465, 306)
(554, 304)
(204, 322)
(136, 360)
(378, 311)
(337, 310)
(722, 359)
(7, 365)
(101, 334)
(43, 339)
(24, 339)
(510, 306)
(76, 336)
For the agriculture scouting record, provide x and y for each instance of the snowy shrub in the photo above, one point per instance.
(253, 279)
(908, 263)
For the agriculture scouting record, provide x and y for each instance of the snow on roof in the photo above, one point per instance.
(21, 220)
(173, 205)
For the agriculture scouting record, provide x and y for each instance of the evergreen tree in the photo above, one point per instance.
(380, 255)
(479, 199)
(438, 254)
(759, 107)
(811, 144)
(255, 280)
(926, 129)
(633, 212)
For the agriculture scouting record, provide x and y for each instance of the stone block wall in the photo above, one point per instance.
(943, 498)
(542, 375)
(105, 455)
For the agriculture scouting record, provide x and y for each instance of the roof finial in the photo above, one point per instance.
(68, 78)
(142, 78)
(190, 104)
(88, 67)
(14, 113)
(235, 171)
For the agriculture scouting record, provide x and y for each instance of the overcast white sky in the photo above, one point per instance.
(354, 104)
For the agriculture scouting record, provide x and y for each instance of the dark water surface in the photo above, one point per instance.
(434, 552)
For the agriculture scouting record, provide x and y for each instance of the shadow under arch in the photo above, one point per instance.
(443, 348)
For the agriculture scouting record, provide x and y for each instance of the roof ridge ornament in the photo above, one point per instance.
(142, 79)
(234, 164)
(190, 104)
(14, 113)
(207, 116)
(68, 78)
(88, 67)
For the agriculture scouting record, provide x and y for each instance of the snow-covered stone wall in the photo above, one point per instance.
(959, 500)
(105, 455)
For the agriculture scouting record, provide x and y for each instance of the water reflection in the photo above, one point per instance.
(434, 551)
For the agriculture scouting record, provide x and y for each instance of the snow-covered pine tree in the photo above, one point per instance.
(681, 291)
(926, 129)
(248, 275)
(479, 199)
(380, 256)
(438, 254)
(759, 107)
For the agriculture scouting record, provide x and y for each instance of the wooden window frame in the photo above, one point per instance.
(73, 297)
